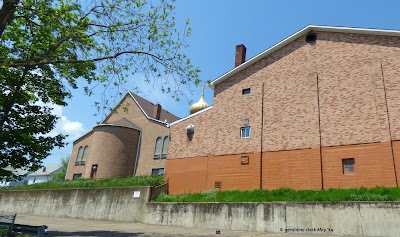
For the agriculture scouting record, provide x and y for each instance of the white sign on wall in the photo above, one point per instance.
(136, 194)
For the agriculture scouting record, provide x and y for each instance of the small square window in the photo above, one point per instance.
(246, 91)
(245, 132)
(348, 166)
(159, 171)
(76, 176)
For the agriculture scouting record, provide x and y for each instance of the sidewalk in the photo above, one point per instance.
(78, 227)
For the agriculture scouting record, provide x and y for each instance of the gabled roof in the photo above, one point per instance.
(17, 171)
(297, 35)
(147, 107)
(46, 170)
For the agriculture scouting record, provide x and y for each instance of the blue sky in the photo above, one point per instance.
(217, 27)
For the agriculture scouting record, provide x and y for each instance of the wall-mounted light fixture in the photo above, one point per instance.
(190, 131)
(246, 121)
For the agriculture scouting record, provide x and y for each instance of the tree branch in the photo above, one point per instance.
(42, 61)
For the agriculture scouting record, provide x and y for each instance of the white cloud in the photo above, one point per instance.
(64, 126)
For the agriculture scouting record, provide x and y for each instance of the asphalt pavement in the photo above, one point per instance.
(78, 227)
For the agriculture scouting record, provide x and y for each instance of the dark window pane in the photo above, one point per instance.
(154, 171)
(348, 165)
(159, 171)
(76, 176)
(246, 91)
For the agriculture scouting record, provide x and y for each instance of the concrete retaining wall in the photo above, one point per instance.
(345, 218)
(118, 204)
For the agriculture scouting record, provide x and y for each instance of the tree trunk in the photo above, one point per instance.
(7, 13)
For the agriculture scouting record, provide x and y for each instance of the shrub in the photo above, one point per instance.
(288, 195)
(96, 183)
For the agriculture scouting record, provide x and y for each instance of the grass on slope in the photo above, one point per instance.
(93, 183)
(288, 195)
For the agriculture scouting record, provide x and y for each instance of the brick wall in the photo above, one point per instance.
(114, 148)
(298, 169)
(373, 166)
(340, 91)
(86, 140)
(150, 131)
(114, 151)
(197, 174)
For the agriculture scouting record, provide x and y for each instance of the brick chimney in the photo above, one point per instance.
(240, 56)
(157, 111)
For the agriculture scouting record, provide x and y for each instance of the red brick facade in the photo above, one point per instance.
(309, 103)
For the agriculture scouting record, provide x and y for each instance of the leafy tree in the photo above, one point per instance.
(47, 46)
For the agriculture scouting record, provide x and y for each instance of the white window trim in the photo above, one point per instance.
(241, 132)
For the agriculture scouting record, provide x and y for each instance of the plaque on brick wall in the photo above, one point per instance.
(244, 160)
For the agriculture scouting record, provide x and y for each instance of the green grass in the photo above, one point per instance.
(288, 195)
(93, 183)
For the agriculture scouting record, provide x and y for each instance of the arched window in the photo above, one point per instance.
(157, 150)
(85, 151)
(79, 156)
(164, 148)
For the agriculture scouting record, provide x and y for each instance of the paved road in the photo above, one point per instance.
(79, 227)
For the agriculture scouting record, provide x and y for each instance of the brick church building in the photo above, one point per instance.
(320, 109)
(132, 140)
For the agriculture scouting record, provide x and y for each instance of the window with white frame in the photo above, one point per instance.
(245, 132)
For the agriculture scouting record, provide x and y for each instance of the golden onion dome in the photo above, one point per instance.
(199, 105)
